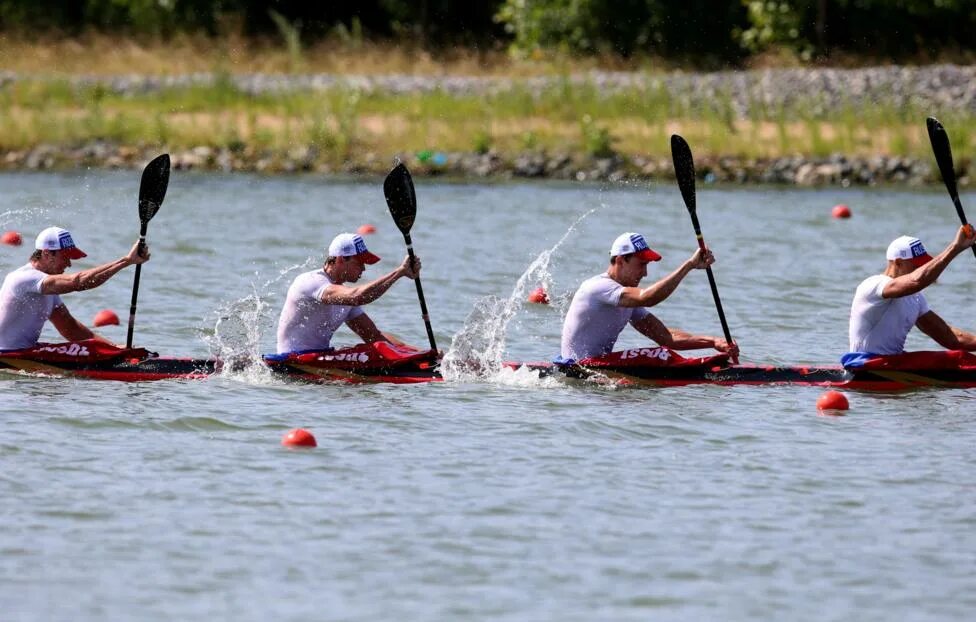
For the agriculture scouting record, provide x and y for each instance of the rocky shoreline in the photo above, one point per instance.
(835, 170)
(938, 90)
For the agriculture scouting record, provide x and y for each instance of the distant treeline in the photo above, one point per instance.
(682, 29)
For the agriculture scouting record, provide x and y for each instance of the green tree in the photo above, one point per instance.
(662, 27)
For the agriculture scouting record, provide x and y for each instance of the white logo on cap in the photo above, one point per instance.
(64, 240)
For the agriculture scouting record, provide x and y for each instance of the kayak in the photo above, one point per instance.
(97, 360)
(661, 367)
(376, 362)
(383, 362)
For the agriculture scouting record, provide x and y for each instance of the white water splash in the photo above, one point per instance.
(240, 326)
(476, 350)
(20, 215)
(524, 377)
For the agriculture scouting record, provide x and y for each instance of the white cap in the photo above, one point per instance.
(907, 247)
(351, 245)
(628, 243)
(58, 239)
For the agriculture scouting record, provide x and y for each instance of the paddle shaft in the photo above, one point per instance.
(959, 211)
(135, 286)
(420, 296)
(949, 177)
(711, 283)
(943, 157)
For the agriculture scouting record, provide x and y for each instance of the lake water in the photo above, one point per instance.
(501, 497)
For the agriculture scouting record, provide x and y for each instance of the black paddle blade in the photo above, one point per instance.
(152, 190)
(400, 197)
(943, 154)
(684, 170)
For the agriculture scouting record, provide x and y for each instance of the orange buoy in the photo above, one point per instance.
(366, 229)
(832, 400)
(841, 211)
(539, 296)
(11, 238)
(299, 437)
(105, 317)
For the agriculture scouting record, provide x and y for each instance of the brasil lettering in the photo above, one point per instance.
(353, 357)
(71, 349)
(658, 353)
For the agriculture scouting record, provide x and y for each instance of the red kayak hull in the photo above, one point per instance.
(379, 362)
(386, 363)
(158, 368)
(830, 376)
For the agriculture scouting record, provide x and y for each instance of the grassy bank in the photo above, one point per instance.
(341, 122)
(44, 106)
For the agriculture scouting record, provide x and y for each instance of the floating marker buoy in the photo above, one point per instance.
(539, 296)
(299, 437)
(841, 211)
(11, 238)
(105, 317)
(366, 229)
(832, 400)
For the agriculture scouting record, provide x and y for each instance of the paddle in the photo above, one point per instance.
(943, 156)
(684, 170)
(152, 191)
(402, 200)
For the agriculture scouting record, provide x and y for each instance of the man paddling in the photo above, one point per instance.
(887, 305)
(318, 302)
(604, 304)
(31, 294)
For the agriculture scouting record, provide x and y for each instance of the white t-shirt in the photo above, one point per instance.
(880, 325)
(23, 308)
(594, 320)
(306, 323)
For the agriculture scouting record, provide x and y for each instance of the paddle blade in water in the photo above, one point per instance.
(943, 154)
(400, 197)
(152, 190)
(684, 169)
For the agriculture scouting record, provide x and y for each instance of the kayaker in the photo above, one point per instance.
(887, 305)
(318, 302)
(31, 294)
(604, 304)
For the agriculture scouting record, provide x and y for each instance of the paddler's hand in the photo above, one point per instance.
(732, 349)
(965, 237)
(410, 268)
(700, 260)
(135, 257)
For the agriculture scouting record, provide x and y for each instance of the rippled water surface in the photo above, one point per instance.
(503, 497)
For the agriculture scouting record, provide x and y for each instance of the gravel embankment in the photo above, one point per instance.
(937, 90)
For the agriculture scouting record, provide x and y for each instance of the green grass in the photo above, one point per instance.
(567, 117)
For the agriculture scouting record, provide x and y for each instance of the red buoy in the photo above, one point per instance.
(366, 229)
(105, 317)
(841, 211)
(11, 238)
(539, 296)
(299, 437)
(832, 400)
